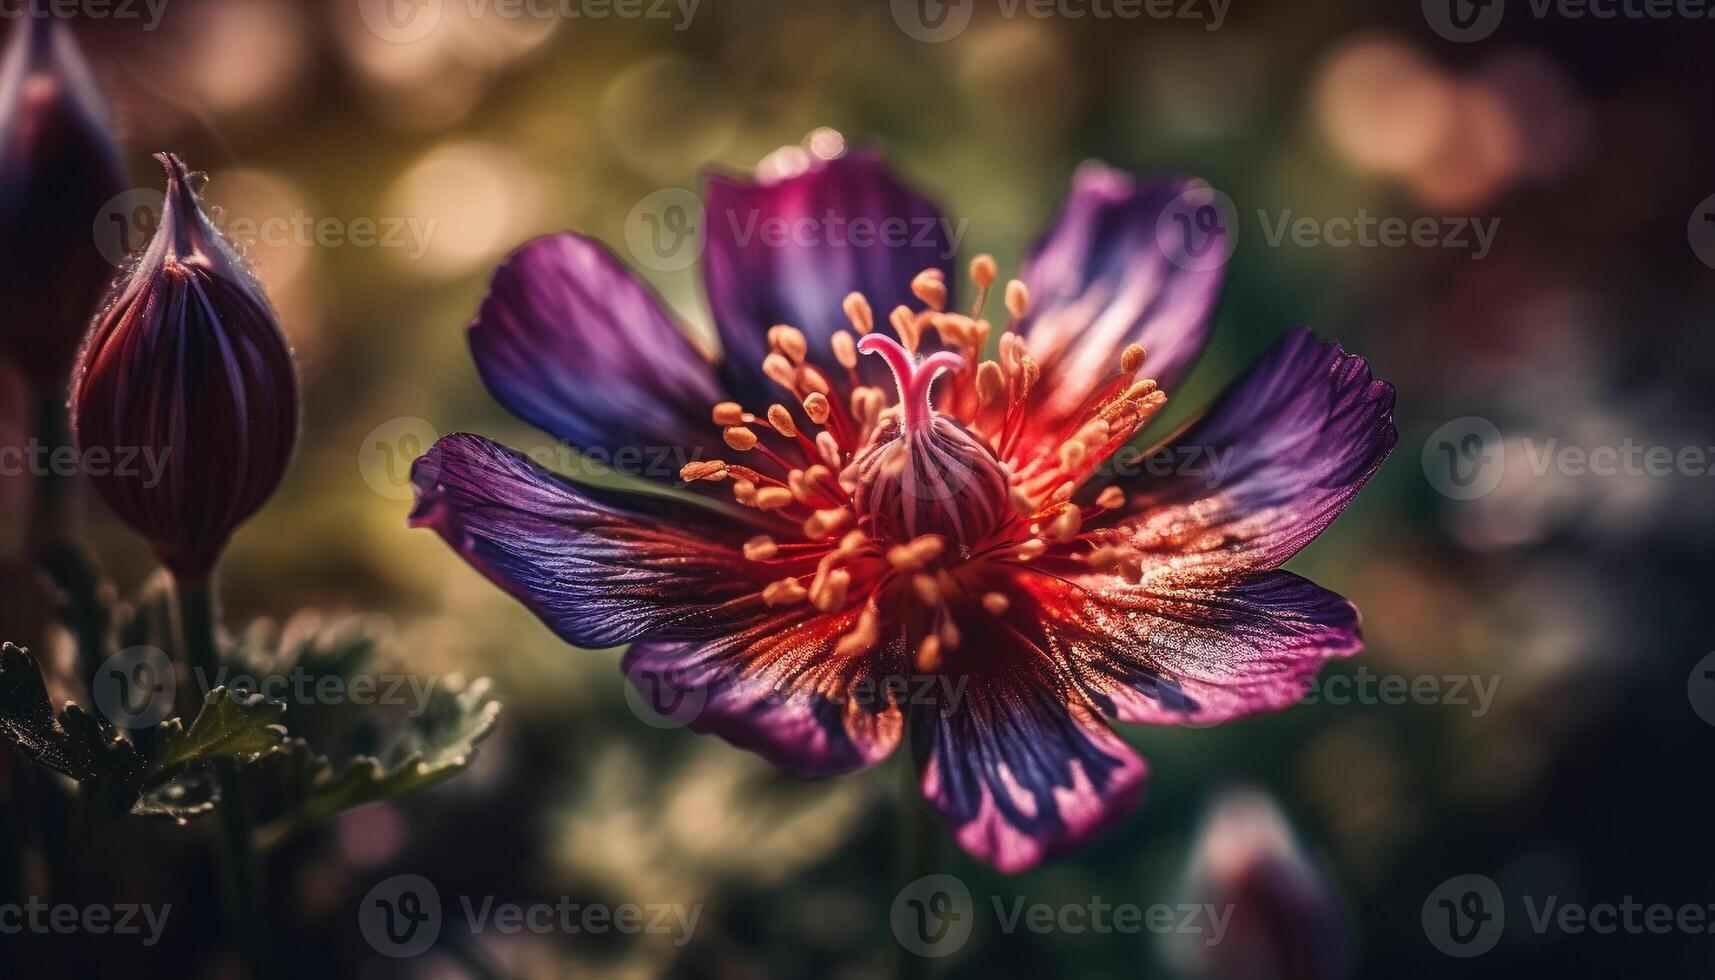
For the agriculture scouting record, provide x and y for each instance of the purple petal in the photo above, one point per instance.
(574, 344)
(1099, 280)
(1021, 767)
(599, 567)
(789, 251)
(780, 690)
(1272, 463)
(1160, 654)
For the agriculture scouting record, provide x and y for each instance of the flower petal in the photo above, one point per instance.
(1021, 766)
(789, 251)
(599, 567)
(571, 342)
(1272, 463)
(780, 690)
(1099, 281)
(1159, 653)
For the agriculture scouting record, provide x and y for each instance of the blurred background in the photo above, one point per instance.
(1581, 601)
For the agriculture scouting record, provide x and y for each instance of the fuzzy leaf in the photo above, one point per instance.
(72, 742)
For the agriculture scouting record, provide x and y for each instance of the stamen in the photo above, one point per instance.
(816, 406)
(829, 449)
(713, 470)
(858, 311)
(730, 413)
(863, 636)
(904, 324)
(825, 522)
(790, 341)
(930, 288)
(929, 654)
(1131, 358)
(845, 349)
(996, 603)
(1111, 498)
(761, 548)
(781, 420)
(780, 371)
(739, 438)
(773, 498)
(1017, 299)
(991, 384)
(786, 592)
(927, 589)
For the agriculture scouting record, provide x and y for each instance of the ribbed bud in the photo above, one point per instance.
(59, 166)
(186, 365)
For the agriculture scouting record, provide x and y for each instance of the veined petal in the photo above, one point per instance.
(1272, 463)
(1160, 653)
(574, 344)
(789, 251)
(781, 690)
(1099, 280)
(1021, 766)
(599, 567)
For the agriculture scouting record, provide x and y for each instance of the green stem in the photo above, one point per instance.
(921, 850)
(241, 868)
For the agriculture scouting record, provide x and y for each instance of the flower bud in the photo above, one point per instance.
(1285, 920)
(186, 374)
(59, 166)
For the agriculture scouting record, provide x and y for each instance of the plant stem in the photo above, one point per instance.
(241, 870)
(920, 850)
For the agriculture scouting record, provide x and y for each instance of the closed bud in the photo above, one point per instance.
(59, 165)
(186, 367)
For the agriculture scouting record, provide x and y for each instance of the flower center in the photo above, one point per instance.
(892, 514)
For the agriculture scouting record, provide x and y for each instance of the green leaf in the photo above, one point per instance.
(72, 742)
(429, 748)
(232, 727)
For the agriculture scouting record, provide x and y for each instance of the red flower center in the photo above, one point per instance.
(911, 509)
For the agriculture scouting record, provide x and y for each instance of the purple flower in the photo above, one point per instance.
(186, 368)
(963, 519)
(58, 166)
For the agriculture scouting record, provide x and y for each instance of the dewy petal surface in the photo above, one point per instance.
(599, 567)
(782, 690)
(789, 251)
(1099, 280)
(1162, 652)
(573, 343)
(1020, 766)
(1277, 457)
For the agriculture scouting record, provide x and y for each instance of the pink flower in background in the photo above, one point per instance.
(878, 501)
